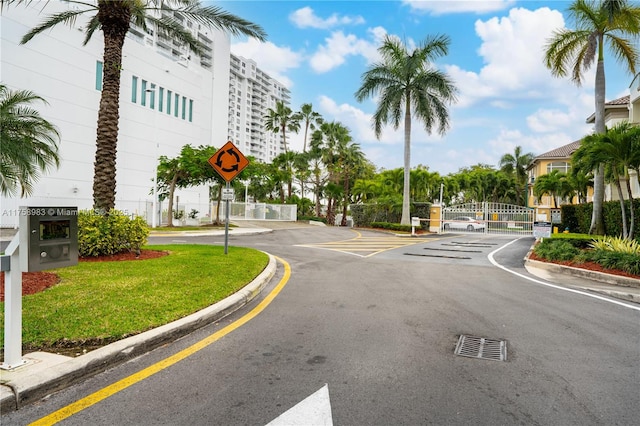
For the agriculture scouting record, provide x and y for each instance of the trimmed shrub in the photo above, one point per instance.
(100, 235)
(560, 250)
(391, 226)
(366, 214)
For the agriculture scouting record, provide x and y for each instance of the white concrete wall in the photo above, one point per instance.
(56, 66)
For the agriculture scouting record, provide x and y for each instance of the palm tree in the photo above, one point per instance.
(29, 142)
(597, 23)
(114, 19)
(311, 120)
(516, 165)
(407, 82)
(281, 119)
(619, 149)
(551, 184)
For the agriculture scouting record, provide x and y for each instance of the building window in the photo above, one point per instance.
(190, 110)
(134, 89)
(176, 104)
(168, 101)
(152, 94)
(184, 108)
(561, 166)
(160, 98)
(98, 75)
(143, 92)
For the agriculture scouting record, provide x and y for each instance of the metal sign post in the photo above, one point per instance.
(228, 161)
(226, 217)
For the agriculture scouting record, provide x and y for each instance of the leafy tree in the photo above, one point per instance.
(188, 169)
(114, 19)
(406, 82)
(516, 165)
(614, 23)
(311, 120)
(29, 142)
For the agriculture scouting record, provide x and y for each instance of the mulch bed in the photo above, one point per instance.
(34, 282)
(591, 266)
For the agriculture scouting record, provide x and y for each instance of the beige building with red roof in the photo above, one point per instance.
(626, 108)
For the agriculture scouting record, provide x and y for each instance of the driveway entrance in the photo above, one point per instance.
(488, 218)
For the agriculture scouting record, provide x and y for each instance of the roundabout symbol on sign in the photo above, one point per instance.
(228, 161)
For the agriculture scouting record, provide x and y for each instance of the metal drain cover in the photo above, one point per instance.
(479, 347)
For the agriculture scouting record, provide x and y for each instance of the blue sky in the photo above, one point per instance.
(319, 49)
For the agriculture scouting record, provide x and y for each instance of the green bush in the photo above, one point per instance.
(366, 214)
(105, 235)
(556, 249)
(391, 226)
(578, 217)
(627, 262)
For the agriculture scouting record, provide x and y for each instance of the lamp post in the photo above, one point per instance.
(154, 213)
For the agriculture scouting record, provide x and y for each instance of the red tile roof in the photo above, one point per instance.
(562, 152)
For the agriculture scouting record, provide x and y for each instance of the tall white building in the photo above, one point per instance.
(168, 99)
(251, 93)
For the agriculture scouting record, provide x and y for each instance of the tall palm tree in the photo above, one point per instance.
(407, 82)
(615, 23)
(114, 19)
(516, 165)
(29, 142)
(311, 120)
(280, 120)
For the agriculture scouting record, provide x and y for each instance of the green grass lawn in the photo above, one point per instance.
(101, 302)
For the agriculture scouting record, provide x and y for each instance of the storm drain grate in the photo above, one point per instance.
(479, 347)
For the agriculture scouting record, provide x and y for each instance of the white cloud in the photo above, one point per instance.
(512, 48)
(441, 7)
(306, 18)
(338, 47)
(274, 60)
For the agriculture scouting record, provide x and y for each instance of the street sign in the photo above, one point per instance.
(228, 161)
(227, 194)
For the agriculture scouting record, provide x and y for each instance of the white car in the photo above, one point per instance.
(464, 223)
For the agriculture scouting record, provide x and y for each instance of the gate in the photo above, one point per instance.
(488, 218)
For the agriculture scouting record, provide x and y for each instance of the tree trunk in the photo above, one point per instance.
(407, 164)
(622, 208)
(172, 188)
(343, 222)
(114, 18)
(632, 213)
(597, 223)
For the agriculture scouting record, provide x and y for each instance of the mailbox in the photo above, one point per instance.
(49, 237)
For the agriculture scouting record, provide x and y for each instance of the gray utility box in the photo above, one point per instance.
(49, 238)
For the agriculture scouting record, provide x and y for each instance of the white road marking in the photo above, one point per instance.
(315, 410)
(571, 290)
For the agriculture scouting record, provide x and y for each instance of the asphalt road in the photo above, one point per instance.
(378, 326)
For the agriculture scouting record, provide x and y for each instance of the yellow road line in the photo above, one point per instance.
(122, 384)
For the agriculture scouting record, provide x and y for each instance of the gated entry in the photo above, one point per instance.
(491, 218)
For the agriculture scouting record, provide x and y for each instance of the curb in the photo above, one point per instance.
(615, 286)
(30, 388)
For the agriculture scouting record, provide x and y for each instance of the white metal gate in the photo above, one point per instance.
(488, 218)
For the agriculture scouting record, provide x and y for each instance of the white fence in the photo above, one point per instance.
(257, 211)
